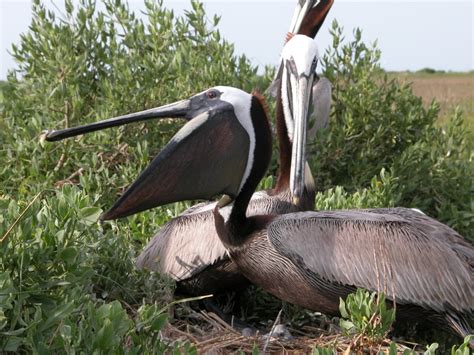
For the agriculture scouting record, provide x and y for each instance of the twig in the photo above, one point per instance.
(61, 161)
(222, 323)
(277, 321)
(74, 174)
(69, 178)
(185, 334)
(55, 333)
(20, 216)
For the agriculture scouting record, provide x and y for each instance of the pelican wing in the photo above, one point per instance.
(319, 117)
(184, 246)
(410, 261)
(189, 243)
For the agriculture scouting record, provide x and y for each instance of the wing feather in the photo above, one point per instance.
(189, 243)
(414, 262)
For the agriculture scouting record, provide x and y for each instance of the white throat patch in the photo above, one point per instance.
(242, 102)
(302, 50)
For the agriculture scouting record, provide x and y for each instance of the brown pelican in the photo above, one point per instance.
(306, 258)
(201, 265)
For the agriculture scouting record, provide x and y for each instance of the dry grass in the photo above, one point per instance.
(450, 90)
(211, 335)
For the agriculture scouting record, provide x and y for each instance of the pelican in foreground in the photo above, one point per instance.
(306, 258)
(187, 248)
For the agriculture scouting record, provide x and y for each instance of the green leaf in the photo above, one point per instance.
(342, 308)
(431, 349)
(159, 322)
(346, 325)
(393, 349)
(255, 350)
(90, 215)
(69, 254)
(57, 315)
(13, 344)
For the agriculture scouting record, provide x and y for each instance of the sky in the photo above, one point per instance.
(411, 34)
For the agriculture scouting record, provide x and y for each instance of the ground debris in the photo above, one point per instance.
(211, 335)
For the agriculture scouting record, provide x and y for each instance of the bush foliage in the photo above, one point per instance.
(68, 283)
(376, 123)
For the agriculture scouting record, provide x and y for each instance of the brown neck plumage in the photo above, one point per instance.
(284, 146)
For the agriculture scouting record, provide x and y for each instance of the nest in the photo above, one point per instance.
(211, 335)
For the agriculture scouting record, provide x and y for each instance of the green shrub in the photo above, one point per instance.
(376, 124)
(68, 283)
(62, 275)
(366, 315)
(382, 192)
(83, 67)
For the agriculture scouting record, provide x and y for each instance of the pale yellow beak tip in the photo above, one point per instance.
(296, 200)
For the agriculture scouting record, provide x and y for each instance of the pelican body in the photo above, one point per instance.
(309, 258)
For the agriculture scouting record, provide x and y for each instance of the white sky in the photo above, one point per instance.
(411, 34)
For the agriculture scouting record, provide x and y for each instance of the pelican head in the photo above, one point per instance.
(186, 109)
(300, 58)
(214, 153)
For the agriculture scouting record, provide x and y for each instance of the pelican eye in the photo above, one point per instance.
(211, 94)
(314, 64)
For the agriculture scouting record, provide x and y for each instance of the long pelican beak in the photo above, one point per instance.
(299, 14)
(301, 9)
(301, 89)
(208, 156)
(179, 109)
(308, 17)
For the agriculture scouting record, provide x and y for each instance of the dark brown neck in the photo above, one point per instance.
(234, 232)
(314, 19)
(284, 145)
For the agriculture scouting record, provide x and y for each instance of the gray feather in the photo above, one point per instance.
(189, 243)
(412, 258)
(321, 109)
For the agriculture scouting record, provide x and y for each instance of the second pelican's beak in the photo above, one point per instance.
(299, 14)
(301, 89)
(181, 109)
(308, 17)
